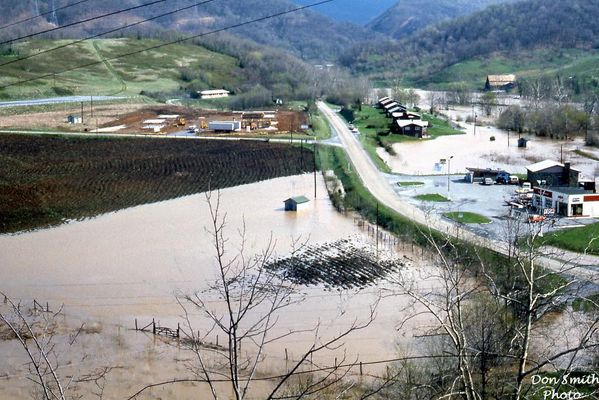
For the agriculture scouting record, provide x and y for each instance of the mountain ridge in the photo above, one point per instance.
(409, 16)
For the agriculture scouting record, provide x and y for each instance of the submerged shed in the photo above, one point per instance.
(297, 203)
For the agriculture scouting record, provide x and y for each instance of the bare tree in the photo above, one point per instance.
(448, 288)
(36, 331)
(434, 99)
(251, 299)
(533, 292)
(490, 313)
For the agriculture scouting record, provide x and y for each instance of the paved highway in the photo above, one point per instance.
(378, 186)
(56, 100)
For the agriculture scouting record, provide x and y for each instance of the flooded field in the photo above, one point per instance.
(131, 264)
(475, 149)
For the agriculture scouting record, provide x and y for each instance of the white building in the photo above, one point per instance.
(566, 201)
(214, 94)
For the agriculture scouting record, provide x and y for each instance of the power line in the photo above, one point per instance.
(181, 40)
(43, 14)
(106, 33)
(82, 21)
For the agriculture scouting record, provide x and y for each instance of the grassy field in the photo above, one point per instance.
(472, 73)
(375, 131)
(576, 239)
(432, 197)
(320, 126)
(154, 71)
(467, 217)
(586, 154)
(46, 180)
(410, 183)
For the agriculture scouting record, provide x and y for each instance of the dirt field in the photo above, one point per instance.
(47, 180)
(131, 116)
(56, 119)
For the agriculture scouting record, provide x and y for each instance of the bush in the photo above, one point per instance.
(348, 114)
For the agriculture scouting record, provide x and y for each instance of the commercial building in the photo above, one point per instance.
(566, 201)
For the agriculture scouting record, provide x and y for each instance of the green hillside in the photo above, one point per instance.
(409, 16)
(306, 34)
(527, 37)
(581, 65)
(171, 69)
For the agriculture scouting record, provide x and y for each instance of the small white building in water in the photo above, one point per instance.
(297, 203)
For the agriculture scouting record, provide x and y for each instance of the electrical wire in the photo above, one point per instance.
(181, 40)
(106, 32)
(43, 14)
(82, 21)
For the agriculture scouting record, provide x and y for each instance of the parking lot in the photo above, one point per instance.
(487, 200)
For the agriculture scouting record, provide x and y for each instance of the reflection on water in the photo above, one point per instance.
(130, 264)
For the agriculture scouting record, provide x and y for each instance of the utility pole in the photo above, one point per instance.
(81, 113)
(475, 115)
(377, 231)
(314, 158)
(448, 174)
(508, 138)
(91, 105)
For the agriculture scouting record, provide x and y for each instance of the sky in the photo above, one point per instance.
(357, 11)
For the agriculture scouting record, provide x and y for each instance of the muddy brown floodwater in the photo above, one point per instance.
(127, 265)
(475, 149)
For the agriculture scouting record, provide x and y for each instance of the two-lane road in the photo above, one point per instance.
(378, 186)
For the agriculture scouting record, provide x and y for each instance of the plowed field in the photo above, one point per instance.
(47, 180)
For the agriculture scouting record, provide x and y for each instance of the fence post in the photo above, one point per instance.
(136, 324)
(34, 306)
(153, 326)
(178, 329)
(217, 340)
(361, 372)
(47, 307)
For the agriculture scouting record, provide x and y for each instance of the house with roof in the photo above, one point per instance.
(416, 128)
(398, 108)
(383, 103)
(553, 173)
(214, 94)
(408, 115)
(503, 83)
(297, 203)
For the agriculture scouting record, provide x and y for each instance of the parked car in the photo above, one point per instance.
(488, 181)
(535, 218)
(503, 178)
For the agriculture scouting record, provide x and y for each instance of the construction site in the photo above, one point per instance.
(159, 120)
